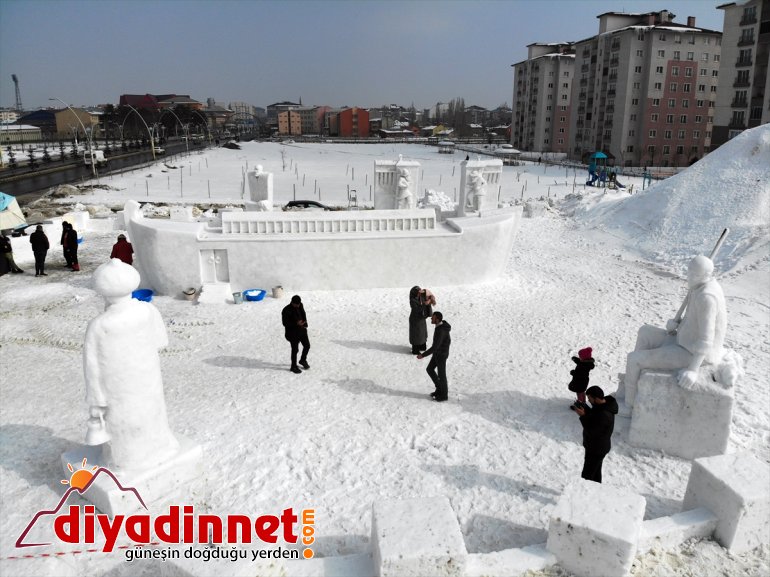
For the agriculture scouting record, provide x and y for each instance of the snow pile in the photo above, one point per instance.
(685, 214)
(437, 198)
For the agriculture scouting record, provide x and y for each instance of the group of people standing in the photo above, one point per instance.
(122, 249)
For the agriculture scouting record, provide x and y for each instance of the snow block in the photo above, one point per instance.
(734, 487)
(671, 532)
(153, 485)
(510, 562)
(594, 529)
(417, 538)
(687, 423)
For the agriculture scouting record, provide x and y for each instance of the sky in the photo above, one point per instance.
(341, 53)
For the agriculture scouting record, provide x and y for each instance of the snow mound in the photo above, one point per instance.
(684, 215)
(437, 198)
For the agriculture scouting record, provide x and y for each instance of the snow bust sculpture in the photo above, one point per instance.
(698, 338)
(404, 196)
(124, 388)
(477, 190)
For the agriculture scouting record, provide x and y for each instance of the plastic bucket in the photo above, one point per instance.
(142, 295)
(189, 293)
(237, 298)
(277, 292)
(254, 294)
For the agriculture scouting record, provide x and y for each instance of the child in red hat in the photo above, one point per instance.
(584, 364)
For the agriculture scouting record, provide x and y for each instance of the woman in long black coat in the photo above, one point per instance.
(418, 326)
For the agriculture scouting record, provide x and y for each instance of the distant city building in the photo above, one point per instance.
(289, 123)
(217, 117)
(743, 94)
(274, 109)
(353, 122)
(643, 92)
(542, 98)
(45, 120)
(70, 123)
(476, 115)
(180, 100)
(19, 133)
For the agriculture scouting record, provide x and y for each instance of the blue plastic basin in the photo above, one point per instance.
(142, 295)
(254, 294)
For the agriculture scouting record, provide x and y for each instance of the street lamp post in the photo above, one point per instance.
(152, 141)
(85, 132)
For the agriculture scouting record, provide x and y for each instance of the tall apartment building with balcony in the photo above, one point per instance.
(542, 96)
(645, 90)
(743, 96)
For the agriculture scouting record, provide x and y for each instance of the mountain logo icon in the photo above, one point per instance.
(79, 482)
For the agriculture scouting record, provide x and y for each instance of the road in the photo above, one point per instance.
(27, 186)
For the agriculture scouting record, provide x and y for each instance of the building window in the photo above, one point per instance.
(680, 149)
(715, 73)
(565, 85)
(566, 73)
(633, 118)
(548, 107)
(561, 131)
(677, 38)
(658, 70)
(651, 149)
(675, 71)
(676, 55)
(654, 117)
(634, 101)
(683, 119)
(672, 87)
(662, 37)
(704, 57)
(545, 141)
(638, 69)
(653, 133)
(701, 88)
(656, 101)
(713, 89)
(666, 149)
(691, 56)
(658, 86)
(564, 97)
(669, 119)
(640, 36)
(561, 141)
(640, 53)
(667, 135)
(704, 72)
(685, 104)
(661, 53)
(563, 108)
(680, 135)
(630, 148)
(630, 132)
(716, 57)
(550, 97)
(637, 85)
(686, 88)
(688, 72)
(698, 118)
(550, 85)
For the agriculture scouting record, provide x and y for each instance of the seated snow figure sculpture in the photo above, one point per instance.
(124, 387)
(404, 196)
(698, 338)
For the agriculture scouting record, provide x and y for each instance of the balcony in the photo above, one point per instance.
(610, 108)
(739, 103)
(737, 123)
(582, 96)
(741, 83)
(584, 68)
(748, 20)
(744, 62)
(746, 41)
(611, 92)
(613, 77)
(615, 46)
(614, 62)
(583, 82)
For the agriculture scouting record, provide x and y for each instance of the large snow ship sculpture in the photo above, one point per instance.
(394, 245)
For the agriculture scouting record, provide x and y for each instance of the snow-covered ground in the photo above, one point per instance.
(359, 426)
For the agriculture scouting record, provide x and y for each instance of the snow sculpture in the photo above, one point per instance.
(404, 196)
(395, 183)
(124, 388)
(687, 344)
(475, 178)
(477, 190)
(260, 190)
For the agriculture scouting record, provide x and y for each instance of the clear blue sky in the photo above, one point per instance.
(356, 52)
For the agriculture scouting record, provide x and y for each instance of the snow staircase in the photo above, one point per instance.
(215, 293)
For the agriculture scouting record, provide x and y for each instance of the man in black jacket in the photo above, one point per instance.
(295, 323)
(40, 246)
(440, 352)
(598, 423)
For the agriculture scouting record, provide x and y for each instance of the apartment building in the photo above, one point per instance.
(542, 96)
(645, 90)
(353, 122)
(743, 95)
(290, 123)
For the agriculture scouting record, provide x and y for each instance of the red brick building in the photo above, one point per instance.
(353, 122)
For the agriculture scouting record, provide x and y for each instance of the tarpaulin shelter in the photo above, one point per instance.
(10, 214)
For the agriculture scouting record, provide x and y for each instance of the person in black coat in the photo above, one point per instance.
(7, 249)
(72, 244)
(440, 352)
(598, 423)
(295, 324)
(584, 364)
(420, 310)
(65, 226)
(40, 246)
